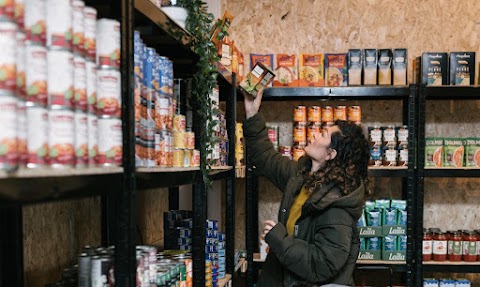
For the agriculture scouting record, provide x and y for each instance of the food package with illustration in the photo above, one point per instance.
(265, 59)
(311, 70)
(453, 150)
(400, 67)
(384, 67)
(462, 68)
(433, 152)
(220, 28)
(257, 80)
(434, 69)
(336, 74)
(286, 71)
(370, 67)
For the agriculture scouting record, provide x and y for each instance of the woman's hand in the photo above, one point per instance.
(267, 226)
(252, 105)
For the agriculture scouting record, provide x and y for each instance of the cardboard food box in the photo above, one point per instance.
(257, 80)
(384, 67)
(462, 68)
(336, 74)
(400, 61)
(472, 152)
(311, 70)
(265, 59)
(355, 62)
(434, 69)
(219, 29)
(286, 70)
(453, 152)
(433, 152)
(370, 67)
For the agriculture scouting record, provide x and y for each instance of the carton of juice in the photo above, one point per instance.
(472, 152)
(336, 74)
(258, 79)
(286, 71)
(453, 152)
(311, 72)
(433, 152)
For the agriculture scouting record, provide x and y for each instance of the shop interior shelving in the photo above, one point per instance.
(407, 94)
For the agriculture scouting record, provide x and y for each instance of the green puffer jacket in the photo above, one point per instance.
(325, 246)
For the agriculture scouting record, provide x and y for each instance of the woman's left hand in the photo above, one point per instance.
(267, 226)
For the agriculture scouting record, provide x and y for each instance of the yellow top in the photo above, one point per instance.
(296, 209)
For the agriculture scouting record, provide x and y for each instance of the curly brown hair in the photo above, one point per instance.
(350, 167)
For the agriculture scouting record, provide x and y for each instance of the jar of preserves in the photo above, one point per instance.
(455, 246)
(427, 246)
(470, 246)
(439, 246)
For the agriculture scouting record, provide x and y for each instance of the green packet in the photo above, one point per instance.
(382, 203)
(399, 204)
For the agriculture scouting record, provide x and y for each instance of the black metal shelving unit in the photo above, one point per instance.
(408, 95)
(429, 93)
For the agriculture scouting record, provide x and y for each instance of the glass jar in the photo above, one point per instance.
(455, 244)
(470, 247)
(477, 231)
(440, 246)
(427, 246)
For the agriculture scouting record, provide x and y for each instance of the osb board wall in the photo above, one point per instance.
(54, 234)
(150, 207)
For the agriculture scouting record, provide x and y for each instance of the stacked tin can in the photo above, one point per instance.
(239, 145)
(215, 254)
(219, 155)
(388, 145)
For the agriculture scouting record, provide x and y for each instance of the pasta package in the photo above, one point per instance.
(311, 70)
(336, 74)
(257, 80)
(286, 71)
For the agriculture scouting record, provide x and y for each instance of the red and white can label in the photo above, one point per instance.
(59, 23)
(35, 21)
(78, 27)
(161, 112)
(61, 137)
(90, 32)
(20, 13)
(36, 73)
(81, 138)
(196, 158)
(60, 78)
(8, 132)
(109, 141)
(37, 135)
(108, 43)
(20, 58)
(7, 9)
(80, 83)
(8, 57)
(91, 86)
(22, 132)
(92, 139)
(109, 100)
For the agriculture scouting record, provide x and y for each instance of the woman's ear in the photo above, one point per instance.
(331, 154)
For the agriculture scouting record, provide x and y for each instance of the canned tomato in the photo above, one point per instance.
(78, 27)
(340, 113)
(90, 30)
(36, 73)
(22, 132)
(178, 157)
(20, 14)
(60, 78)
(313, 128)
(81, 138)
(92, 127)
(355, 114)
(91, 86)
(35, 21)
(37, 135)
(109, 141)
(108, 43)
(179, 123)
(80, 83)
(109, 101)
(7, 9)
(162, 105)
(196, 158)
(61, 137)
(298, 152)
(20, 59)
(8, 132)
(300, 133)
(300, 114)
(286, 151)
(190, 140)
(314, 114)
(327, 114)
(8, 66)
(59, 24)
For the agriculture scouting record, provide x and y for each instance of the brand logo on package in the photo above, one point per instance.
(366, 255)
(397, 256)
(367, 231)
(396, 230)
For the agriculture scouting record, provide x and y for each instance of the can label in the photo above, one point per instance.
(190, 140)
(81, 138)
(7, 9)
(166, 80)
(109, 141)
(109, 100)
(161, 113)
(300, 133)
(403, 157)
(402, 136)
(35, 21)
(298, 152)
(327, 114)
(59, 24)
(91, 86)
(137, 97)
(20, 58)
(79, 83)
(20, 13)
(196, 158)
(150, 63)
(8, 66)
(36, 74)
(187, 160)
(314, 114)
(92, 127)
(179, 140)
(375, 134)
(8, 132)
(78, 27)
(178, 157)
(355, 114)
(161, 139)
(375, 156)
(22, 132)
(60, 78)
(340, 113)
(273, 135)
(313, 128)
(390, 157)
(286, 151)
(300, 114)
(108, 43)
(179, 123)
(61, 137)
(90, 30)
(37, 135)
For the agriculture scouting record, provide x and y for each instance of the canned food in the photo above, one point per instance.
(179, 140)
(60, 78)
(298, 152)
(272, 131)
(355, 114)
(314, 114)
(61, 137)
(161, 141)
(91, 86)
(7, 9)
(20, 14)
(109, 101)
(109, 141)
(108, 43)
(239, 158)
(35, 21)
(20, 59)
(179, 123)
(196, 158)
(8, 132)
(81, 138)
(36, 73)
(37, 135)
(149, 156)
(78, 27)
(178, 157)
(286, 151)
(340, 113)
(389, 137)
(327, 114)
(59, 24)
(402, 135)
(84, 261)
(92, 139)
(90, 30)
(190, 140)
(150, 65)
(100, 269)
(313, 128)
(300, 114)
(8, 65)
(187, 160)
(137, 98)
(162, 109)
(390, 156)
(22, 132)
(375, 135)
(300, 133)
(79, 83)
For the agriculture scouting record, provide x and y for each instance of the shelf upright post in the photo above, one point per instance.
(231, 116)
(125, 257)
(11, 246)
(251, 223)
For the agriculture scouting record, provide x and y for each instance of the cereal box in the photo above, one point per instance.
(311, 70)
(258, 79)
(472, 152)
(336, 74)
(265, 59)
(433, 152)
(286, 70)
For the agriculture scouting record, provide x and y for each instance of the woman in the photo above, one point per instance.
(315, 241)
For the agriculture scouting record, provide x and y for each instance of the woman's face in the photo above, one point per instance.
(318, 149)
